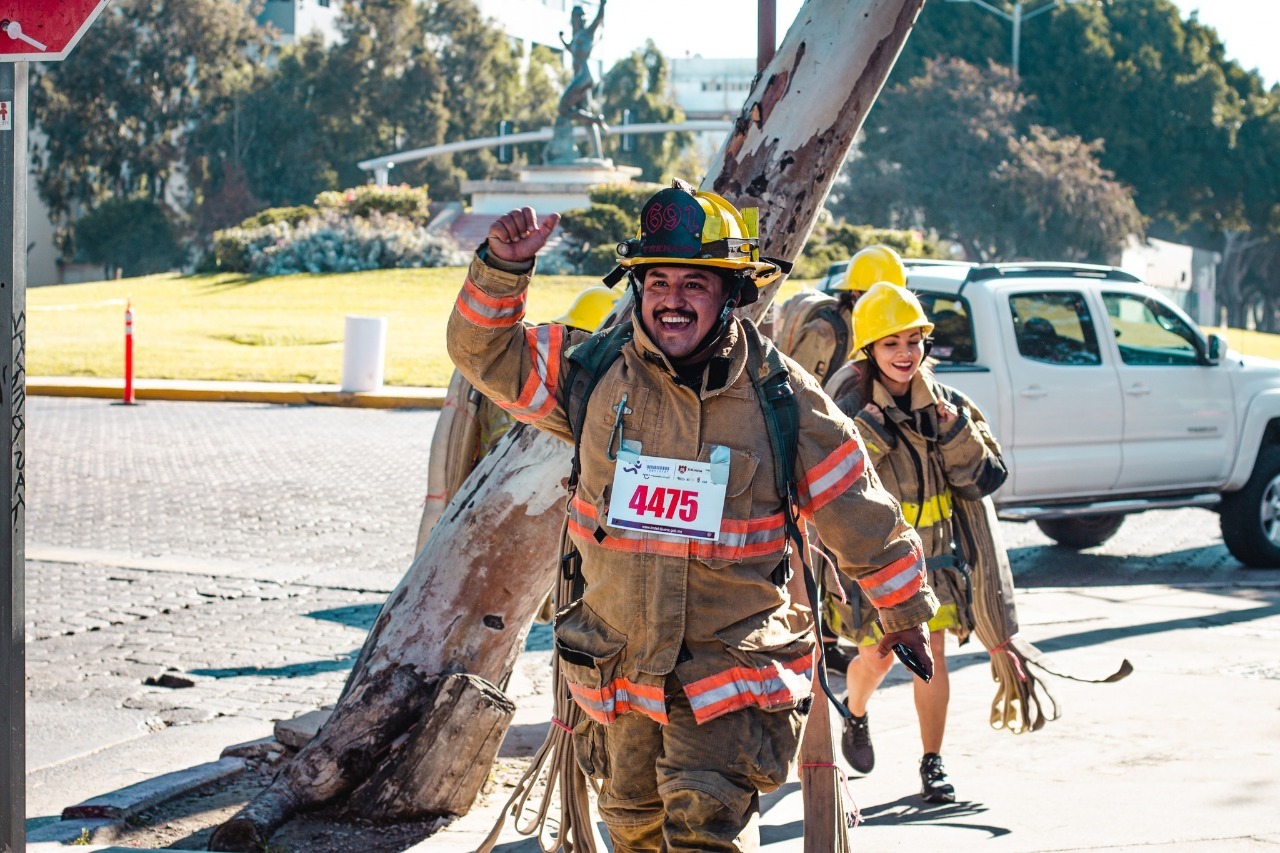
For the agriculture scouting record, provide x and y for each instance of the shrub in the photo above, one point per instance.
(592, 235)
(234, 248)
(133, 235)
(597, 225)
(599, 260)
(838, 242)
(272, 215)
(334, 243)
(629, 198)
(411, 203)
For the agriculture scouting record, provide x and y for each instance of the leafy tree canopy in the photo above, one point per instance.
(117, 116)
(964, 158)
(640, 83)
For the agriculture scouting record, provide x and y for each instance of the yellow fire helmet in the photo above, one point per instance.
(687, 227)
(886, 309)
(589, 309)
(870, 265)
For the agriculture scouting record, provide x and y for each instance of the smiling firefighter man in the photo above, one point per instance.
(688, 656)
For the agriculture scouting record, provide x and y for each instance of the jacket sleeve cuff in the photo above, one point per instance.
(917, 610)
(496, 282)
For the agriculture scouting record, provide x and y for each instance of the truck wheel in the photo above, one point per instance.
(1251, 516)
(1081, 531)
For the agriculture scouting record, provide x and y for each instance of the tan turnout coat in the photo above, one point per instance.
(926, 468)
(712, 613)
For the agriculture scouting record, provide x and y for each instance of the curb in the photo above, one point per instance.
(387, 397)
(100, 818)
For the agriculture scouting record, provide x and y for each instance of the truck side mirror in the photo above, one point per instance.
(1215, 348)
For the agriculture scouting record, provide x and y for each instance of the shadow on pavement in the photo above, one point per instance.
(1054, 565)
(910, 810)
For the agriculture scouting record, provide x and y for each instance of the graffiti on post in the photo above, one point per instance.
(15, 384)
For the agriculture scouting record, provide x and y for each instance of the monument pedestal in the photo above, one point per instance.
(552, 188)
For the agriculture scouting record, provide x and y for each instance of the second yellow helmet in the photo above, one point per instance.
(886, 309)
(589, 308)
(871, 265)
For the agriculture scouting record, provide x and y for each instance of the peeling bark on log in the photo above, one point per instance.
(798, 123)
(468, 598)
(417, 777)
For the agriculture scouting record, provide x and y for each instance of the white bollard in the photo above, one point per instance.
(363, 352)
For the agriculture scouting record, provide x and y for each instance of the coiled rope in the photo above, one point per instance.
(1021, 699)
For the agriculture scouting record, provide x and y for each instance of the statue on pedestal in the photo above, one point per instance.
(577, 103)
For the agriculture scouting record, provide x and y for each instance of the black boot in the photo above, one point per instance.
(835, 657)
(855, 743)
(933, 780)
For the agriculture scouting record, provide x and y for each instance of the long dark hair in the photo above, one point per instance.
(870, 372)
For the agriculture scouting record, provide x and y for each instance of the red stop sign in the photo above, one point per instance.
(44, 30)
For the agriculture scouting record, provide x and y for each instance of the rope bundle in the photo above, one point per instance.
(555, 760)
(1021, 698)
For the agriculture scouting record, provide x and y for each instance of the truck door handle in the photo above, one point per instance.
(1138, 390)
(1033, 392)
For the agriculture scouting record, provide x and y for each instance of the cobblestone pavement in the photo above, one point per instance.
(190, 562)
(225, 482)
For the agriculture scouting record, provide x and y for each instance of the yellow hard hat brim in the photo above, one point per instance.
(925, 327)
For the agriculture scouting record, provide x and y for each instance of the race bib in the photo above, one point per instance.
(678, 497)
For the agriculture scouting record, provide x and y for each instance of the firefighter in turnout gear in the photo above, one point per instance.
(688, 656)
(470, 424)
(816, 329)
(929, 445)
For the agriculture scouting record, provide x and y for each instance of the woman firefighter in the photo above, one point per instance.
(929, 444)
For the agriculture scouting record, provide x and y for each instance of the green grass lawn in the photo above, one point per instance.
(280, 329)
(286, 328)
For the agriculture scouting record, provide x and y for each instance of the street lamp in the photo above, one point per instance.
(1017, 18)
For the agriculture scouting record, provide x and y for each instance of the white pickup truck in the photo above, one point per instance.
(1108, 400)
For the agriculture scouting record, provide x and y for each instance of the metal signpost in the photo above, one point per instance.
(42, 31)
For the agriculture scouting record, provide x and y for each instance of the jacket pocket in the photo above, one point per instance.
(590, 651)
(589, 749)
(773, 651)
(737, 535)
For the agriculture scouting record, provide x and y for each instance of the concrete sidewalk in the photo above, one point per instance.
(387, 397)
(1181, 755)
(131, 509)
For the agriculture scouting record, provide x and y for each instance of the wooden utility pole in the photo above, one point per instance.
(766, 33)
(470, 595)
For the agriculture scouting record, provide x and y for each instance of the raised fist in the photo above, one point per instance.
(517, 236)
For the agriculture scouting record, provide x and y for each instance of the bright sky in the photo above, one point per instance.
(1248, 28)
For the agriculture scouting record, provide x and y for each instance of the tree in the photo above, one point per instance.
(133, 235)
(117, 116)
(962, 158)
(384, 89)
(641, 83)
(276, 134)
(481, 84)
(1058, 201)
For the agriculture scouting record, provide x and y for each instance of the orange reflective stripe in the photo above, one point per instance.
(829, 479)
(740, 687)
(538, 396)
(896, 582)
(491, 312)
(606, 704)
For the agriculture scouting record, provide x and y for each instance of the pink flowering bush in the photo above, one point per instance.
(410, 202)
